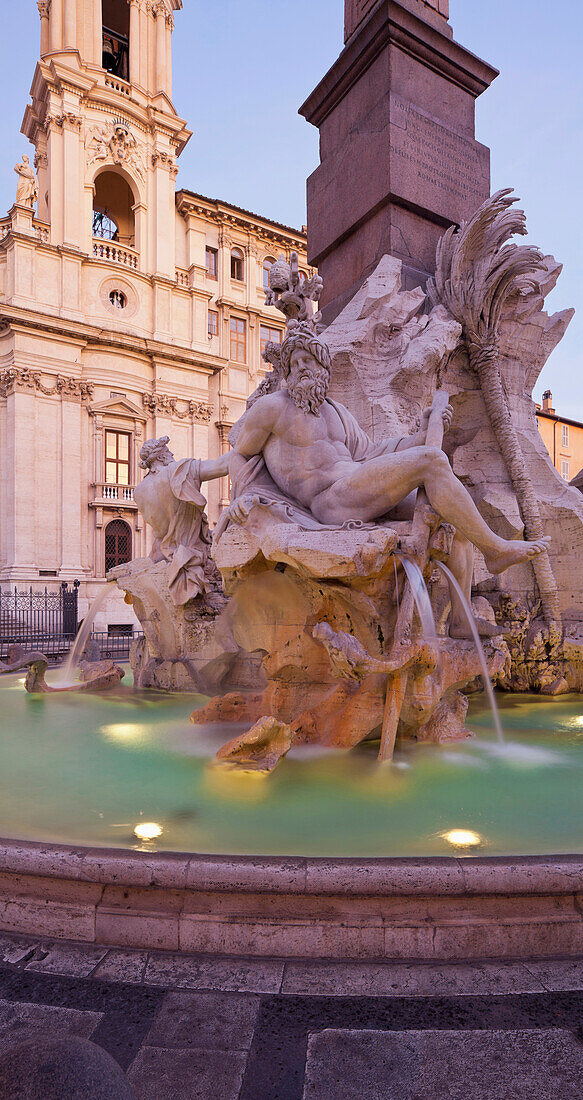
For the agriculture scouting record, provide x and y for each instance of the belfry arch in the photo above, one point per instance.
(113, 208)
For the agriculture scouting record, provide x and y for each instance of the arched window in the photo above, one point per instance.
(268, 261)
(115, 38)
(113, 215)
(237, 265)
(118, 544)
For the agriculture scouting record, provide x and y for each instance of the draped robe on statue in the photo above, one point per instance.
(170, 500)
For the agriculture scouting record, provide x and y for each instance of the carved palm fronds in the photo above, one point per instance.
(477, 271)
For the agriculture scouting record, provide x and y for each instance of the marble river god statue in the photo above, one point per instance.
(328, 520)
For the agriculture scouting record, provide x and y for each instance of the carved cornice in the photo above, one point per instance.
(163, 403)
(22, 378)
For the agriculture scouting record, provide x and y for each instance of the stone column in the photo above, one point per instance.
(56, 25)
(43, 9)
(160, 81)
(169, 28)
(134, 42)
(70, 26)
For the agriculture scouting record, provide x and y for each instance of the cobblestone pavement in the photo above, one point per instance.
(185, 1026)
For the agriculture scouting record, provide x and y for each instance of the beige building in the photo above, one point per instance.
(128, 309)
(562, 437)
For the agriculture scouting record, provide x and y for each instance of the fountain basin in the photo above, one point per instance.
(436, 908)
(332, 855)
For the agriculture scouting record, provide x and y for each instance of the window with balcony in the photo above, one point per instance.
(237, 268)
(118, 543)
(565, 435)
(268, 335)
(238, 340)
(213, 322)
(115, 38)
(117, 457)
(268, 261)
(212, 263)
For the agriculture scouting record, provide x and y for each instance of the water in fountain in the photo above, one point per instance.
(480, 649)
(66, 675)
(421, 596)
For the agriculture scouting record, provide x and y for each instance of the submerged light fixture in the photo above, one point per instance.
(462, 838)
(148, 830)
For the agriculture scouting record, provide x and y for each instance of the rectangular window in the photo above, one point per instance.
(268, 335)
(565, 435)
(238, 340)
(117, 457)
(565, 470)
(212, 263)
(213, 322)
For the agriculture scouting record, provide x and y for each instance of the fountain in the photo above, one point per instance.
(333, 609)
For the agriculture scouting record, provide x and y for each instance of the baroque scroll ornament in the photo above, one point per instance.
(115, 142)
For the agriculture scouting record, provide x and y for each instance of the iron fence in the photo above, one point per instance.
(42, 620)
(115, 646)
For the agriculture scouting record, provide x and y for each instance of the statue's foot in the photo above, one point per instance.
(461, 631)
(515, 551)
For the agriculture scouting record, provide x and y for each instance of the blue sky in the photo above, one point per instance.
(243, 67)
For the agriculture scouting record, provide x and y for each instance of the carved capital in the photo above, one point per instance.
(165, 160)
(44, 7)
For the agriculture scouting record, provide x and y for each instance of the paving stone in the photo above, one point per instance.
(215, 1021)
(49, 1067)
(122, 966)
(401, 979)
(558, 974)
(227, 975)
(170, 1074)
(14, 950)
(425, 1065)
(68, 958)
(19, 1021)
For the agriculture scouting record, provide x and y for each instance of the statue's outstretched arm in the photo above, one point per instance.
(212, 468)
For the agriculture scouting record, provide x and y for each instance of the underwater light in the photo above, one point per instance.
(462, 838)
(148, 830)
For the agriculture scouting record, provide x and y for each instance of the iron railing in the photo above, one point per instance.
(115, 646)
(41, 620)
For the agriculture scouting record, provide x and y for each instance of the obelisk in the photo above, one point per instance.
(399, 161)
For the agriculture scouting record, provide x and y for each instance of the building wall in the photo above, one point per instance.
(564, 441)
(73, 364)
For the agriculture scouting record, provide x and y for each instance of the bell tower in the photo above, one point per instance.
(105, 130)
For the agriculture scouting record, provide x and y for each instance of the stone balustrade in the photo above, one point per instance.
(115, 253)
(107, 491)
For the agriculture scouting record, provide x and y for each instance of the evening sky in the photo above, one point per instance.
(243, 67)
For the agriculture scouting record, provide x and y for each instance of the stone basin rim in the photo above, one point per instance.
(347, 875)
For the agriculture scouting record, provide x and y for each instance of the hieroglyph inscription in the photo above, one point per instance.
(437, 168)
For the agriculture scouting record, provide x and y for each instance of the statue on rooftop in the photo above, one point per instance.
(27, 187)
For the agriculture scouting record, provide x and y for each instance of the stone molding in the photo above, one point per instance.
(164, 403)
(223, 218)
(22, 378)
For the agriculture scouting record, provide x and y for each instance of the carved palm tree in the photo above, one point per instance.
(477, 271)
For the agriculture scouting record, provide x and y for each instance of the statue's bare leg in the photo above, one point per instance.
(370, 489)
(461, 563)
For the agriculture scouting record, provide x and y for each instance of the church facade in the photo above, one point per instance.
(128, 309)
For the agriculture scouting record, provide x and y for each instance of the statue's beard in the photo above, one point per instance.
(308, 394)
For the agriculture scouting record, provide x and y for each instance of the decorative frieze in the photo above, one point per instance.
(162, 403)
(23, 378)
